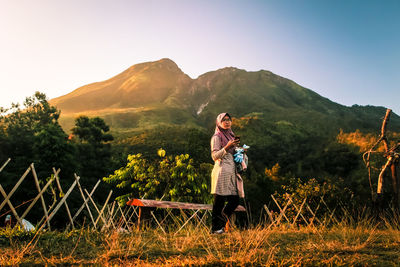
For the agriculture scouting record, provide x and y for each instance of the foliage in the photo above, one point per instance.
(33, 134)
(91, 130)
(170, 177)
(273, 173)
(174, 139)
(91, 138)
(320, 195)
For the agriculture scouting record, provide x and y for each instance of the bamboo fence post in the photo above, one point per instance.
(5, 164)
(102, 210)
(314, 214)
(7, 198)
(86, 200)
(37, 198)
(40, 194)
(100, 216)
(11, 206)
(269, 215)
(284, 209)
(65, 203)
(123, 216)
(62, 201)
(298, 211)
(112, 215)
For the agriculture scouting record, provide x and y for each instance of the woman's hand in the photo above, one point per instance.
(231, 143)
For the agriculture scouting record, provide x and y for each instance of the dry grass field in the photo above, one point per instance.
(344, 244)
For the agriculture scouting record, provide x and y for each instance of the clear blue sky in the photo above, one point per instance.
(345, 50)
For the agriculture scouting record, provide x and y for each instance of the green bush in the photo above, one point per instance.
(173, 178)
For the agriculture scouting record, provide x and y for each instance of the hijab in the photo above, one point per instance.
(224, 134)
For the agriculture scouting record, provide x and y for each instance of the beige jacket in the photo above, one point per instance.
(224, 179)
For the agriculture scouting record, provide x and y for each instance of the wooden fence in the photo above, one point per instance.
(110, 215)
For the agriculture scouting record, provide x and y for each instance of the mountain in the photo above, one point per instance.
(140, 85)
(158, 93)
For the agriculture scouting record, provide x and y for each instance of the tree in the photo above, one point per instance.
(33, 135)
(169, 178)
(94, 152)
(91, 130)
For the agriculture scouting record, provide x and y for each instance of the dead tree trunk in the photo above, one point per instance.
(392, 162)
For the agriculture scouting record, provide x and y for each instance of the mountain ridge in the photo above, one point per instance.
(160, 92)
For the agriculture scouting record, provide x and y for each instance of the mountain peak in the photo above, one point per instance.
(141, 84)
(162, 64)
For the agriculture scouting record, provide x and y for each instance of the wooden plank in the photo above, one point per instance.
(173, 205)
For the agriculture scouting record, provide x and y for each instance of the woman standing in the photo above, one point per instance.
(224, 180)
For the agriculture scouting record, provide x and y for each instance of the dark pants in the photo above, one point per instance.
(220, 215)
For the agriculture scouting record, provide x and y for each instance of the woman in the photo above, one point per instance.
(224, 179)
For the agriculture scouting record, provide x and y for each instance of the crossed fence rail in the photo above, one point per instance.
(111, 215)
(311, 212)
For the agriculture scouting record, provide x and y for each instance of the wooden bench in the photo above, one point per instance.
(196, 208)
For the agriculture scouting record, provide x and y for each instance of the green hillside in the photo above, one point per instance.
(151, 94)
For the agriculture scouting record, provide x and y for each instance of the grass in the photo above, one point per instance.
(343, 244)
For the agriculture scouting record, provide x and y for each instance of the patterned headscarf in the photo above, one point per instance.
(224, 134)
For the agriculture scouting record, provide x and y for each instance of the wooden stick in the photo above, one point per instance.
(40, 194)
(86, 200)
(62, 200)
(314, 214)
(332, 212)
(100, 216)
(269, 214)
(5, 164)
(134, 212)
(299, 211)
(7, 198)
(102, 210)
(65, 203)
(187, 220)
(123, 216)
(95, 206)
(109, 215)
(284, 209)
(11, 206)
(152, 214)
